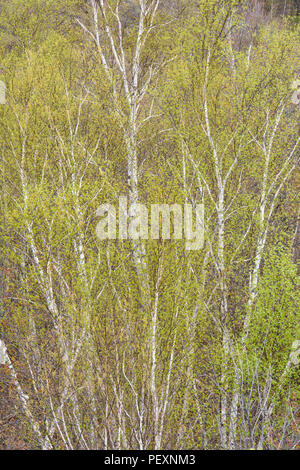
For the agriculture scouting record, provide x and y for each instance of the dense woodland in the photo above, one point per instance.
(122, 344)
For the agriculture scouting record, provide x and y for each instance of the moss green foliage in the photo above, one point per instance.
(192, 350)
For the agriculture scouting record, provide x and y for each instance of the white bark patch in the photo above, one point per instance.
(295, 354)
(295, 85)
(2, 92)
(3, 353)
(296, 97)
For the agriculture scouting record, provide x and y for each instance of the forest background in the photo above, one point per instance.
(126, 344)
